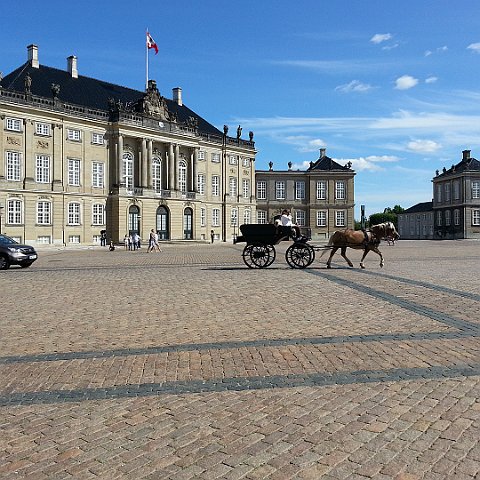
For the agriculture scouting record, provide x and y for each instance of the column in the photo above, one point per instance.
(165, 169)
(148, 173)
(171, 167)
(120, 180)
(175, 166)
(194, 169)
(144, 164)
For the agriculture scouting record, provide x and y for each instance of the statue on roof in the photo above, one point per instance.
(153, 104)
(27, 84)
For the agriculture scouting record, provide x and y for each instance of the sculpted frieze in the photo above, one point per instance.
(14, 141)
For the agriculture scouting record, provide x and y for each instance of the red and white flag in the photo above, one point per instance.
(151, 43)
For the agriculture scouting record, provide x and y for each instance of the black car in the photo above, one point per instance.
(12, 253)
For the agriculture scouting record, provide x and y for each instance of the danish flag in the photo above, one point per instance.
(151, 43)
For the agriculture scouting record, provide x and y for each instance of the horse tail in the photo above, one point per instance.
(329, 244)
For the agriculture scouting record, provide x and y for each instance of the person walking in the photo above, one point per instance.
(212, 235)
(126, 242)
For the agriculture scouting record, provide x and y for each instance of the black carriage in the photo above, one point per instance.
(261, 240)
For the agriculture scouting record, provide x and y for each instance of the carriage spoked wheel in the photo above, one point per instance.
(299, 255)
(258, 255)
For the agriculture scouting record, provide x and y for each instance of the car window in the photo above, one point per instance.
(4, 240)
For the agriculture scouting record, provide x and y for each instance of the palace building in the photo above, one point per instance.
(321, 198)
(81, 155)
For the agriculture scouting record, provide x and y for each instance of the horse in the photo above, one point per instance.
(361, 239)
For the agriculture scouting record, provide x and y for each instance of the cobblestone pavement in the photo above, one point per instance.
(186, 364)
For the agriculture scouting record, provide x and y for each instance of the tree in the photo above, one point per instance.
(388, 215)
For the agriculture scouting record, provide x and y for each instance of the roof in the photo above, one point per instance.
(89, 92)
(326, 163)
(467, 164)
(419, 207)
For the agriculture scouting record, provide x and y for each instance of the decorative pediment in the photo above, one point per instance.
(153, 104)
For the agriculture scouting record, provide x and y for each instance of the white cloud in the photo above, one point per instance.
(431, 79)
(354, 86)
(423, 146)
(371, 163)
(437, 50)
(390, 47)
(381, 37)
(475, 47)
(304, 143)
(405, 82)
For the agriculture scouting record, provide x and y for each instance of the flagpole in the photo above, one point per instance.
(146, 64)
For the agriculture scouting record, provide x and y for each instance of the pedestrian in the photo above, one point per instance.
(111, 247)
(153, 241)
(103, 238)
(212, 235)
(126, 242)
(136, 240)
(131, 245)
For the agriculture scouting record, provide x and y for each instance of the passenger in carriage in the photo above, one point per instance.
(286, 223)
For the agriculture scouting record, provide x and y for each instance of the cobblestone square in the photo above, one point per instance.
(186, 364)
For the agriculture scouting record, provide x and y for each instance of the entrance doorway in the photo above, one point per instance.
(162, 223)
(188, 224)
(133, 220)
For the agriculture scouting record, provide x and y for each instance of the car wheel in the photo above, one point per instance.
(4, 263)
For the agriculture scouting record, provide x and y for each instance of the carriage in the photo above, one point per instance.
(261, 240)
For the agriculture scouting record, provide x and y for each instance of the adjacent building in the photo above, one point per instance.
(455, 210)
(81, 155)
(320, 198)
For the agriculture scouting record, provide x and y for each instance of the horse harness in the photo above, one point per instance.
(370, 240)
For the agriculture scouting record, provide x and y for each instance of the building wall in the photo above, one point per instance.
(126, 136)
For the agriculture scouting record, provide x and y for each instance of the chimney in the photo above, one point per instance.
(72, 66)
(177, 95)
(322, 152)
(466, 155)
(33, 55)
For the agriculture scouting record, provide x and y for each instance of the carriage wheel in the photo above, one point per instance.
(257, 255)
(273, 255)
(299, 255)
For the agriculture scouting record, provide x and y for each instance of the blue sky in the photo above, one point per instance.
(391, 86)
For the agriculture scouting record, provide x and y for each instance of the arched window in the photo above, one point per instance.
(182, 176)
(157, 174)
(162, 223)
(133, 219)
(188, 224)
(127, 170)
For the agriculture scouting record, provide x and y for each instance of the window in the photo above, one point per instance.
(475, 217)
(340, 218)
(456, 217)
(321, 218)
(43, 240)
(447, 192)
(13, 161)
(448, 218)
(215, 217)
(14, 212)
(261, 216)
(234, 217)
(300, 218)
(245, 162)
(97, 138)
(42, 129)
(74, 239)
(216, 157)
(203, 213)
(98, 214)
(13, 124)
(246, 188)
(182, 176)
(44, 213)
(215, 185)
(439, 218)
(232, 160)
(73, 171)
(201, 183)
(475, 189)
(127, 170)
(42, 168)
(73, 135)
(156, 174)
(280, 190)
(321, 190)
(456, 190)
(261, 190)
(247, 215)
(201, 155)
(439, 193)
(232, 186)
(340, 190)
(73, 213)
(97, 175)
(300, 190)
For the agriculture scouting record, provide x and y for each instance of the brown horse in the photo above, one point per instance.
(365, 240)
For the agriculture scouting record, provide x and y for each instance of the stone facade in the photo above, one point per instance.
(320, 198)
(74, 163)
